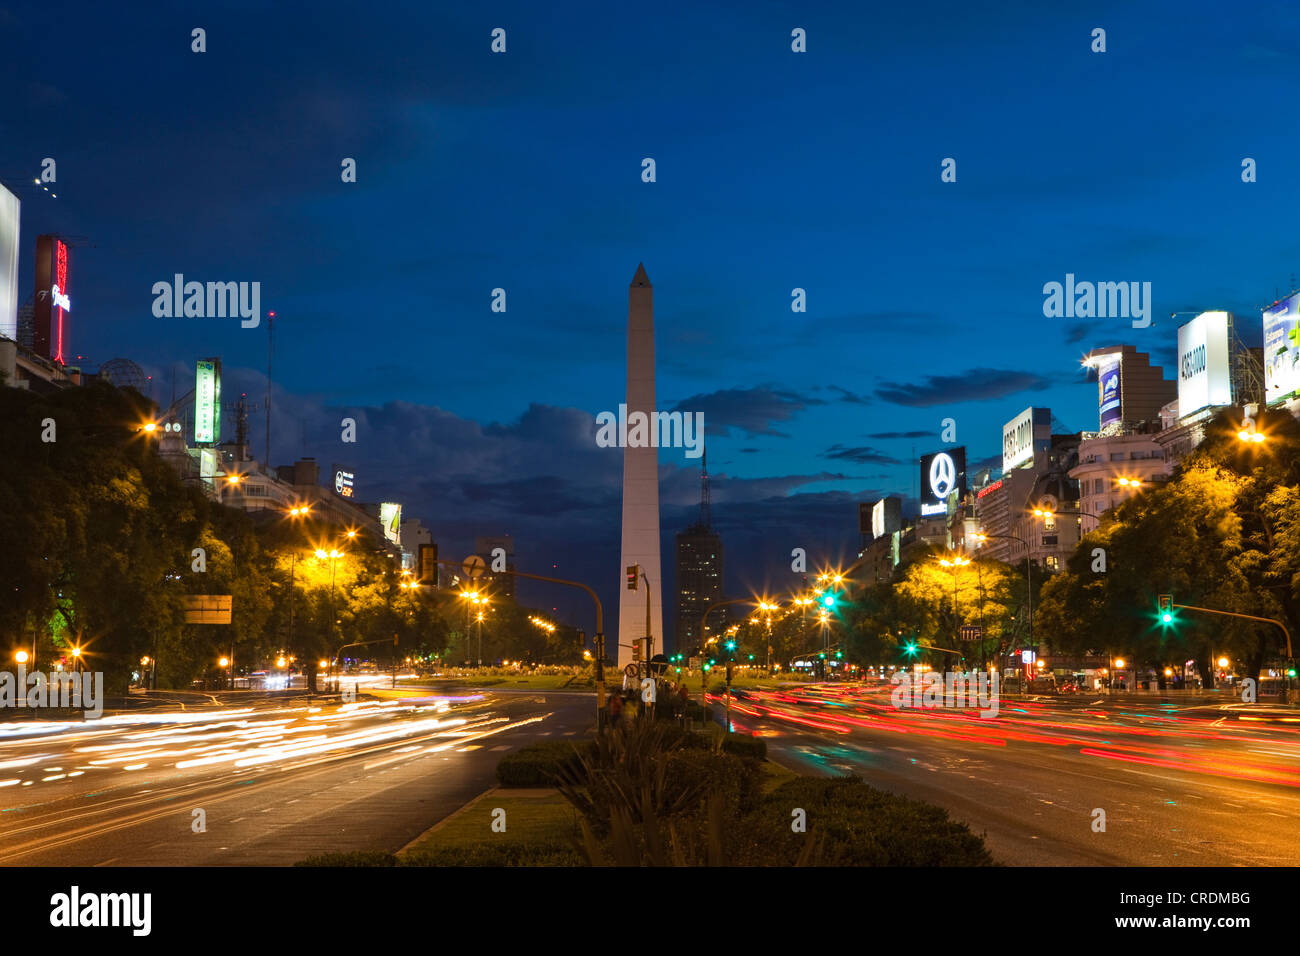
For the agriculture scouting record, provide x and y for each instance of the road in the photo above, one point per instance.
(276, 781)
(1201, 785)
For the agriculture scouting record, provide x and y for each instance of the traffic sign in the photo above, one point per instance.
(473, 566)
(972, 632)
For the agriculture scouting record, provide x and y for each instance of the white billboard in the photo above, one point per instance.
(390, 516)
(886, 517)
(1030, 429)
(1282, 349)
(1204, 371)
(9, 211)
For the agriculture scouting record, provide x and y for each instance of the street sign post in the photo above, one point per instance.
(473, 566)
(208, 608)
(972, 632)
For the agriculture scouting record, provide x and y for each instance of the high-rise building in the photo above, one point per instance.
(640, 543)
(699, 576)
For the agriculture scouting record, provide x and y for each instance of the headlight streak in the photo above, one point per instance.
(1163, 737)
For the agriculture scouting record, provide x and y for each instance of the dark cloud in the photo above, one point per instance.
(885, 436)
(750, 410)
(972, 386)
(860, 456)
(850, 397)
(1076, 332)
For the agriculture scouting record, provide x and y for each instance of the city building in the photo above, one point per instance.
(700, 563)
(1130, 390)
(414, 534)
(1114, 467)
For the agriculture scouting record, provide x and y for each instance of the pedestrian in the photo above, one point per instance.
(615, 709)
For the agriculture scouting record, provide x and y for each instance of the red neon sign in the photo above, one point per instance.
(61, 277)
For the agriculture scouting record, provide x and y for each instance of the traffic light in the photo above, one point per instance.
(636, 650)
(632, 576)
(731, 645)
(828, 600)
(729, 673)
(1166, 608)
(910, 649)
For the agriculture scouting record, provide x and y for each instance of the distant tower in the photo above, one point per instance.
(699, 575)
(640, 481)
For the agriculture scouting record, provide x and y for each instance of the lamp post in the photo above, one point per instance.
(981, 537)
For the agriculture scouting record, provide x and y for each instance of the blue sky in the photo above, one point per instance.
(775, 170)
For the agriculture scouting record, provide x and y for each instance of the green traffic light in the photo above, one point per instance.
(1166, 617)
(828, 599)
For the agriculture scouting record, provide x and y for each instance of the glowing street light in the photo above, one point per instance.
(1129, 482)
(1223, 662)
(224, 662)
(21, 657)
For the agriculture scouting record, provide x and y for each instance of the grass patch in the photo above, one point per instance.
(538, 827)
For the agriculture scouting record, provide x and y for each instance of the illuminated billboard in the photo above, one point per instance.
(1204, 372)
(51, 300)
(344, 483)
(9, 213)
(207, 401)
(1028, 432)
(1282, 349)
(942, 473)
(1110, 404)
(390, 516)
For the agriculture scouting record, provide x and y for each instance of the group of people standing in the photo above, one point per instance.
(637, 697)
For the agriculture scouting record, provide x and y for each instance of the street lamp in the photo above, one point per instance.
(475, 598)
(21, 657)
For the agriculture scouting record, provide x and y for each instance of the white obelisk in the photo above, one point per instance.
(640, 482)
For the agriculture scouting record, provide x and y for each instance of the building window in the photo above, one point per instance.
(1053, 562)
(1117, 456)
(1049, 523)
(1098, 486)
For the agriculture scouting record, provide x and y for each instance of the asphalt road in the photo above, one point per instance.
(276, 781)
(1180, 785)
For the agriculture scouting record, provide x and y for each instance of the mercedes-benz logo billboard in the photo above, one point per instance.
(942, 473)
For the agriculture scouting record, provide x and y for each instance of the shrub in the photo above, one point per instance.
(494, 853)
(540, 764)
(854, 825)
(359, 858)
(745, 746)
